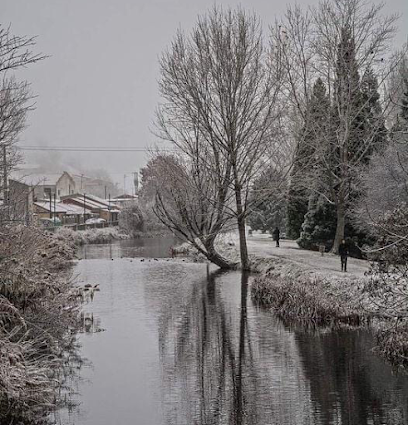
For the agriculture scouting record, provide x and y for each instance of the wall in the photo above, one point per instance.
(65, 185)
(20, 205)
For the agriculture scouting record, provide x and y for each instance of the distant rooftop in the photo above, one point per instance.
(125, 196)
(90, 201)
(32, 179)
(62, 208)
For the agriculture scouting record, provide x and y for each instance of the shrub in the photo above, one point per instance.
(38, 322)
(131, 220)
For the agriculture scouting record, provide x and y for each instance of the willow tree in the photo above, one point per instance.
(190, 201)
(220, 88)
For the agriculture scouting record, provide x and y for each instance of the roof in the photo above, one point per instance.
(125, 196)
(91, 202)
(46, 206)
(89, 181)
(100, 201)
(61, 208)
(41, 179)
(75, 209)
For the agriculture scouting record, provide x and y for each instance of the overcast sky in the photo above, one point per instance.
(99, 85)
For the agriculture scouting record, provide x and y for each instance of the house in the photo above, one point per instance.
(68, 214)
(124, 199)
(43, 186)
(96, 205)
(19, 205)
(65, 185)
(96, 187)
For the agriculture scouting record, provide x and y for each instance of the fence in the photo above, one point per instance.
(91, 226)
(81, 227)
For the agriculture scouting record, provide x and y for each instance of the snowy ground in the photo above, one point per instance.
(263, 246)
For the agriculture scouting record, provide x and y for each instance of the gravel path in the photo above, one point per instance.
(329, 264)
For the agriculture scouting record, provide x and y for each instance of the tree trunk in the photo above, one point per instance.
(241, 231)
(219, 260)
(341, 222)
(239, 388)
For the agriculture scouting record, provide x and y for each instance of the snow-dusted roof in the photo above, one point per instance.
(46, 205)
(91, 202)
(89, 181)
(125, 196)
(100, 201)
(75, 209)
(35, 179)
(68, 209)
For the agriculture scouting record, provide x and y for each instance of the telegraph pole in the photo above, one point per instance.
(109, 215)
(50, 205)
(55, 207)
(84, 207)
(5, 181)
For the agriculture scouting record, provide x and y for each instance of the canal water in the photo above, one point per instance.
(177, 343)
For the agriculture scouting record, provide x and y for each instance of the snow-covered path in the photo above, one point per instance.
(329, 264)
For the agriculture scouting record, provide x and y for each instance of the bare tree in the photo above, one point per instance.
(396, 86)
(341, 42)
(220, 88)
(385, 183)
(15, 98)
(191, 203)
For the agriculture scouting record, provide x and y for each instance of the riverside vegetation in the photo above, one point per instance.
(91, 236)
(316, 301)
(39, 318)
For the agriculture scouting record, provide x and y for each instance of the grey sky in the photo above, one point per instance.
(99, 86)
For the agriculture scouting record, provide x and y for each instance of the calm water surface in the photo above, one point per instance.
(184, 345)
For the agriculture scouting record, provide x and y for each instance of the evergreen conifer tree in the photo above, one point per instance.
(352, 129)
(376, 132)
(267, 198)
(304, 170)
(350, 143)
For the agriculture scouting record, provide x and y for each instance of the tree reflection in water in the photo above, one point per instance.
(227, 365)
(211, 374)
(349, 383)
(203, 361)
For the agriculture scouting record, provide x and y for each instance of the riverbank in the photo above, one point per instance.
(39, 311)
(299, 295)
(305, 287)
(90, 236)
(104, 235)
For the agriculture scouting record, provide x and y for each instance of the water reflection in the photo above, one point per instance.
(130, 248)
(349, 383)
(90, 324)
(183, 346)
(226, 362)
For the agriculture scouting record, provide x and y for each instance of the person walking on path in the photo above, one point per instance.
(343, 252)
(276, 235)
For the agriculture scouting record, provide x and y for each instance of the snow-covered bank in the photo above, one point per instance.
(39, 319)
(304, 287)
(104, 235)
(297, 294)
